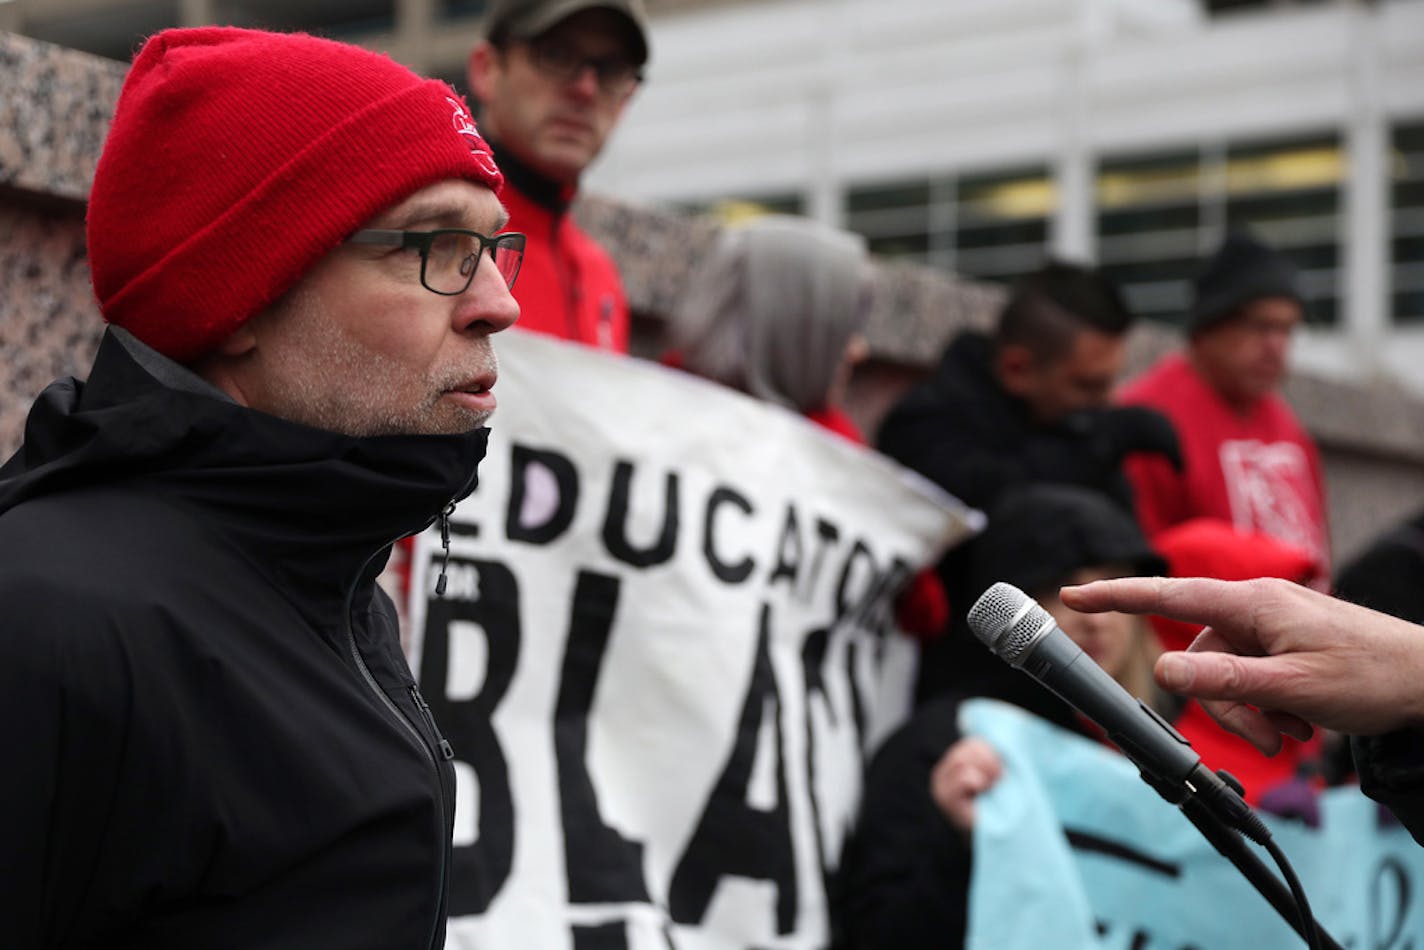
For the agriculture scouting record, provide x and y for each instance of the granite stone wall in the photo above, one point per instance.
(54, 113)
(49, 325)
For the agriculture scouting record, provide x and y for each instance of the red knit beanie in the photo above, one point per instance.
(238, 158)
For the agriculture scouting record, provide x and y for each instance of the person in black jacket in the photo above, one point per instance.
(211, 737)
(1027, 405)
(906, 870)
(1030, 403)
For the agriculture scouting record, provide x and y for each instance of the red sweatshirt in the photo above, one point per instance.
(568, 286)
(1258, 470)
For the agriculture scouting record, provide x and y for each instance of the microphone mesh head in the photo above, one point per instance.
(1008, 621)
(995, 610)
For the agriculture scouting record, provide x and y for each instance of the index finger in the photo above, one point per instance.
(1200, 600)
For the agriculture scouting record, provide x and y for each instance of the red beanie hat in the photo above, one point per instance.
(238, 158)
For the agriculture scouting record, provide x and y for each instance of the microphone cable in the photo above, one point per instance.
(1308, 926)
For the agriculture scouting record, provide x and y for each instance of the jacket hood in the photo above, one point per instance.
(963, 378)
(301, 500)
(1039, 534)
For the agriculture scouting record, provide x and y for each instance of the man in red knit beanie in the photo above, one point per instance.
(214, 738)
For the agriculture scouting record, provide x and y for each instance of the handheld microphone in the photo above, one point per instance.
(1021, 633)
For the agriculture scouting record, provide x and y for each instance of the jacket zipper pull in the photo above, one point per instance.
(447, 751)
(445, 548)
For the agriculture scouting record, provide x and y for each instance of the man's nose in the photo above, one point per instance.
(487, 301)
(585, 81)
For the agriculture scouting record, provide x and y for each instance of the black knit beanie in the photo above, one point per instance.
(1242, 270)
(1039, 534)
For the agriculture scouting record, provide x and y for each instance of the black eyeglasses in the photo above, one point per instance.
(449, 256)
(564, 63)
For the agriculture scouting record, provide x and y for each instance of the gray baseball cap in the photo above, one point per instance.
(526, 19)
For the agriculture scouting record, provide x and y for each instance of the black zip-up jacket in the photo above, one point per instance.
(209, 733)
(961, 429)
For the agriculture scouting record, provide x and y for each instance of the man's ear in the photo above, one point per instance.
(223, 365)
(238, 343)
(1014, 365)
(480, 70)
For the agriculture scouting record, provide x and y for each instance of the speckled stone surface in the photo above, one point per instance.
(55, 111)
(49, 324)
(54, 114)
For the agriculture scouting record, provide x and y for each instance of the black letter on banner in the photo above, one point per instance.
(613, 936)
(827, 534)
(844, 603)
(479, 870)
(788, 550)
(603, 866)
(881, 618)
(521, 458)
(814, 653)
(617, 540)
(1389, 916)
(733, 839)
(727, 573)
(861, 610)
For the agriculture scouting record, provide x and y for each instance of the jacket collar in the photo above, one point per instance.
(551, 195)
(315, 508)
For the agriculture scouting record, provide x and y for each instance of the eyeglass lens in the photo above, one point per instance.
(567, 64)
(453, 256)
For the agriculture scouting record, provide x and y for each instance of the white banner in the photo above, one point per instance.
(666, 645)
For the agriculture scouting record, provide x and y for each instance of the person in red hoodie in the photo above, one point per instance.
(1247, 458)
(552, 78)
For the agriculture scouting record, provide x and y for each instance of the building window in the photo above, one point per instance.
(461, 9)
(345, 19)
(988, 227)
(1407, 237)
(1159, 216)
(1217, 7)
(733, 210)
(115, 31)
(1151, 223)
(895, 218)
(1001, 224)
(1289, 195)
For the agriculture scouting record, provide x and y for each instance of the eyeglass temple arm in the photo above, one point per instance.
(384, 238)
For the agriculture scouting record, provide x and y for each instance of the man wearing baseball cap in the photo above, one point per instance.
(211, 735)
(552, 78)
(1248, 459)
